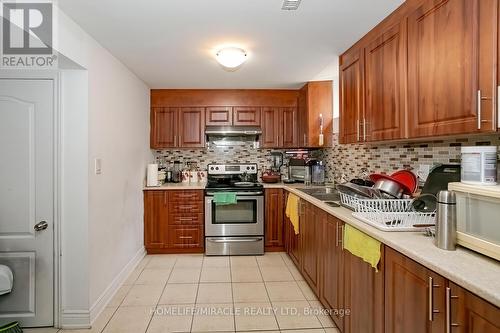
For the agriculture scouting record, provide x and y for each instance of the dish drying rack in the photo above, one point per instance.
(387, 214)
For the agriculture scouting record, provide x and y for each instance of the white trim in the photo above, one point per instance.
(74, 319)
(103, 300)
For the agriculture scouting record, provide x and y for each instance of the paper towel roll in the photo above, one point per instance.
(152, 175)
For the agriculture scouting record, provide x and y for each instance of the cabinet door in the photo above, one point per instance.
(363, 295)
(294, 241)
(351, 97)
(332, 268)
(414, 296)
(219, 116)
(310, 237)
(289, 138)
(184, 237)
(471, 314)
(274, 232)
(155, 219)
(384, 104)
(192, 127)
(444, 70)
(271, 126)
(246, 116)
(163, 128)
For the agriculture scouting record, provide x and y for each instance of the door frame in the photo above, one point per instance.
(55, 77)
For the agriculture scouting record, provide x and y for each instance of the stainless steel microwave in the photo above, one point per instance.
(478, 217)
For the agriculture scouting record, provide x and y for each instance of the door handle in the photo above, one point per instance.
(42, 225)
(431, 287)
(449, 322)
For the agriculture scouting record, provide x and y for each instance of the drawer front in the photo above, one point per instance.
(186, 207)
(185, 196)
(185, 237)
(186, 219)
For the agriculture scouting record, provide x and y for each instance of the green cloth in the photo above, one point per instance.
(362, 246)
(224, 198)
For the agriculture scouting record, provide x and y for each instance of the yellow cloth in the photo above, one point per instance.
(292, 211)
(362, 246)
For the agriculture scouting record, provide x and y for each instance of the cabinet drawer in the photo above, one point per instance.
(181, 237)
(186, 207)
(187, 196)
(186, 219)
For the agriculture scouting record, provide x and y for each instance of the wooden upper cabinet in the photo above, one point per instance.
(351, 97)
(384, 86)
(271, 127)
(408, 296)
(450, 71)
(163, 128)
(246, 116)
(471, 314)
(219, 116)
(192, 127)
(288, 120)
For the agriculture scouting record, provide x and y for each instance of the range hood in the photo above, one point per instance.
(233, 131)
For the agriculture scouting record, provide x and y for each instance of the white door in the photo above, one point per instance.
(27, 200)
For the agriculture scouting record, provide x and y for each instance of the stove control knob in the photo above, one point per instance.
(248, 168)
(216, 168)
(212, 168)
(253, 168)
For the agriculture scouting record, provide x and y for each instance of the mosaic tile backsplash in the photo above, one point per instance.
(343, 161)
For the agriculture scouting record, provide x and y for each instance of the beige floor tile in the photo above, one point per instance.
(276, 273)
(119, 296)
(243, 261)
(189, 261)
(332, 330)
(295, 315)
(284, 291)
(213, 318)
(312, 330)
(142, 295)
(154, 276)
(307, 291)
(322, 314)
(254, 316)
(286, 258)
(216, 262)
(133, 319)
(295, 273)
(185, 275)
(245, 274)
(179, 294)
(171, 318)
(271, 260)
(144, 261)
(245, 292)
(214, 293)
(132, 277)
(215, 274)
(162, 261)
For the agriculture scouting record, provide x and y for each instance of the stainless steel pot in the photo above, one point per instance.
(389, 187)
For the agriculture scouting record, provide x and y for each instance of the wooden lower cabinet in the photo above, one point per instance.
(274, 212)
(173, 221)
(293, 244)
(311, 234)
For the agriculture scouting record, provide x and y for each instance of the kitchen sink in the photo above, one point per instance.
(329, 194)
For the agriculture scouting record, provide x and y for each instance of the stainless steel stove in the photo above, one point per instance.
(238, 228)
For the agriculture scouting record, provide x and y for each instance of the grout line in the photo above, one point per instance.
(232, 294)
(268, 296)
(196, 297)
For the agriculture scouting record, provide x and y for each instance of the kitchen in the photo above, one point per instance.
(342, 178)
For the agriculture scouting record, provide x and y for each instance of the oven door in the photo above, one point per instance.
(245, 218)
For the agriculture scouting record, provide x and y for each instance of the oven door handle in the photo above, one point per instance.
(232, 240)
(240, 193)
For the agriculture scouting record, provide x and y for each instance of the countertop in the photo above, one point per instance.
(474, 272)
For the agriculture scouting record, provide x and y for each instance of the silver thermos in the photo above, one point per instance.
(446, 221)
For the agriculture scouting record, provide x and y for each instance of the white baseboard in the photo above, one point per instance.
(107, 295)
(74, 319)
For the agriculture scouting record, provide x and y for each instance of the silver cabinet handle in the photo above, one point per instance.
(42, 225)
(449, 323)
(431, 298)
(340, 234)
(357, 130)
(305, 140)
(498, 106)
(175, 140)
(479, 109)
(364, 129)
(185, 237)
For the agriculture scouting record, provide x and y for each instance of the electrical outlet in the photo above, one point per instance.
(98, 166)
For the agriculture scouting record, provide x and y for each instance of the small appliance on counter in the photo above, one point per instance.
(478, 225)
(479, 165)
(296, 169)
(317, 172)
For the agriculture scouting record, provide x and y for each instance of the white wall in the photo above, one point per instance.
(117, 132)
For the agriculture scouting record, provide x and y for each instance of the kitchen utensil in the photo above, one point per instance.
(358, 191)
(446, 221)
(440, 176)
(379, 176)
(408, 178)
(388, 186)
(362, 182)
(424, 203)
(271, 177)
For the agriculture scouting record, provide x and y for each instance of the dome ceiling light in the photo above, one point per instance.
(231, 58)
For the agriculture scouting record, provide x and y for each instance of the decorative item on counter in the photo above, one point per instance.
(270, 176)
(186, 176)
(202, 176)
(479, 165)
(152, 175)
(321, 137)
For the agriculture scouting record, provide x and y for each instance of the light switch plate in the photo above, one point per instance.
(98, 166)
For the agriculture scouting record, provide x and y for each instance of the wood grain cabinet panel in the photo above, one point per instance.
(271, 127)
(408, 295)
(185, 196)
(182, 237)
(311, 234)
(246, 116)
(163, 128)
(219, 116)
(192, 127)
(155, 219)
(274, 213)
(444, 68)
(384, 86)
(289, 137)
(293, 243)
(351, 97)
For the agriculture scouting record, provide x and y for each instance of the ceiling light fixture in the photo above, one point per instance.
(290, 4)
(231, 57)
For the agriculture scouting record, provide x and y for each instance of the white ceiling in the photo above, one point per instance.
(170, 43)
